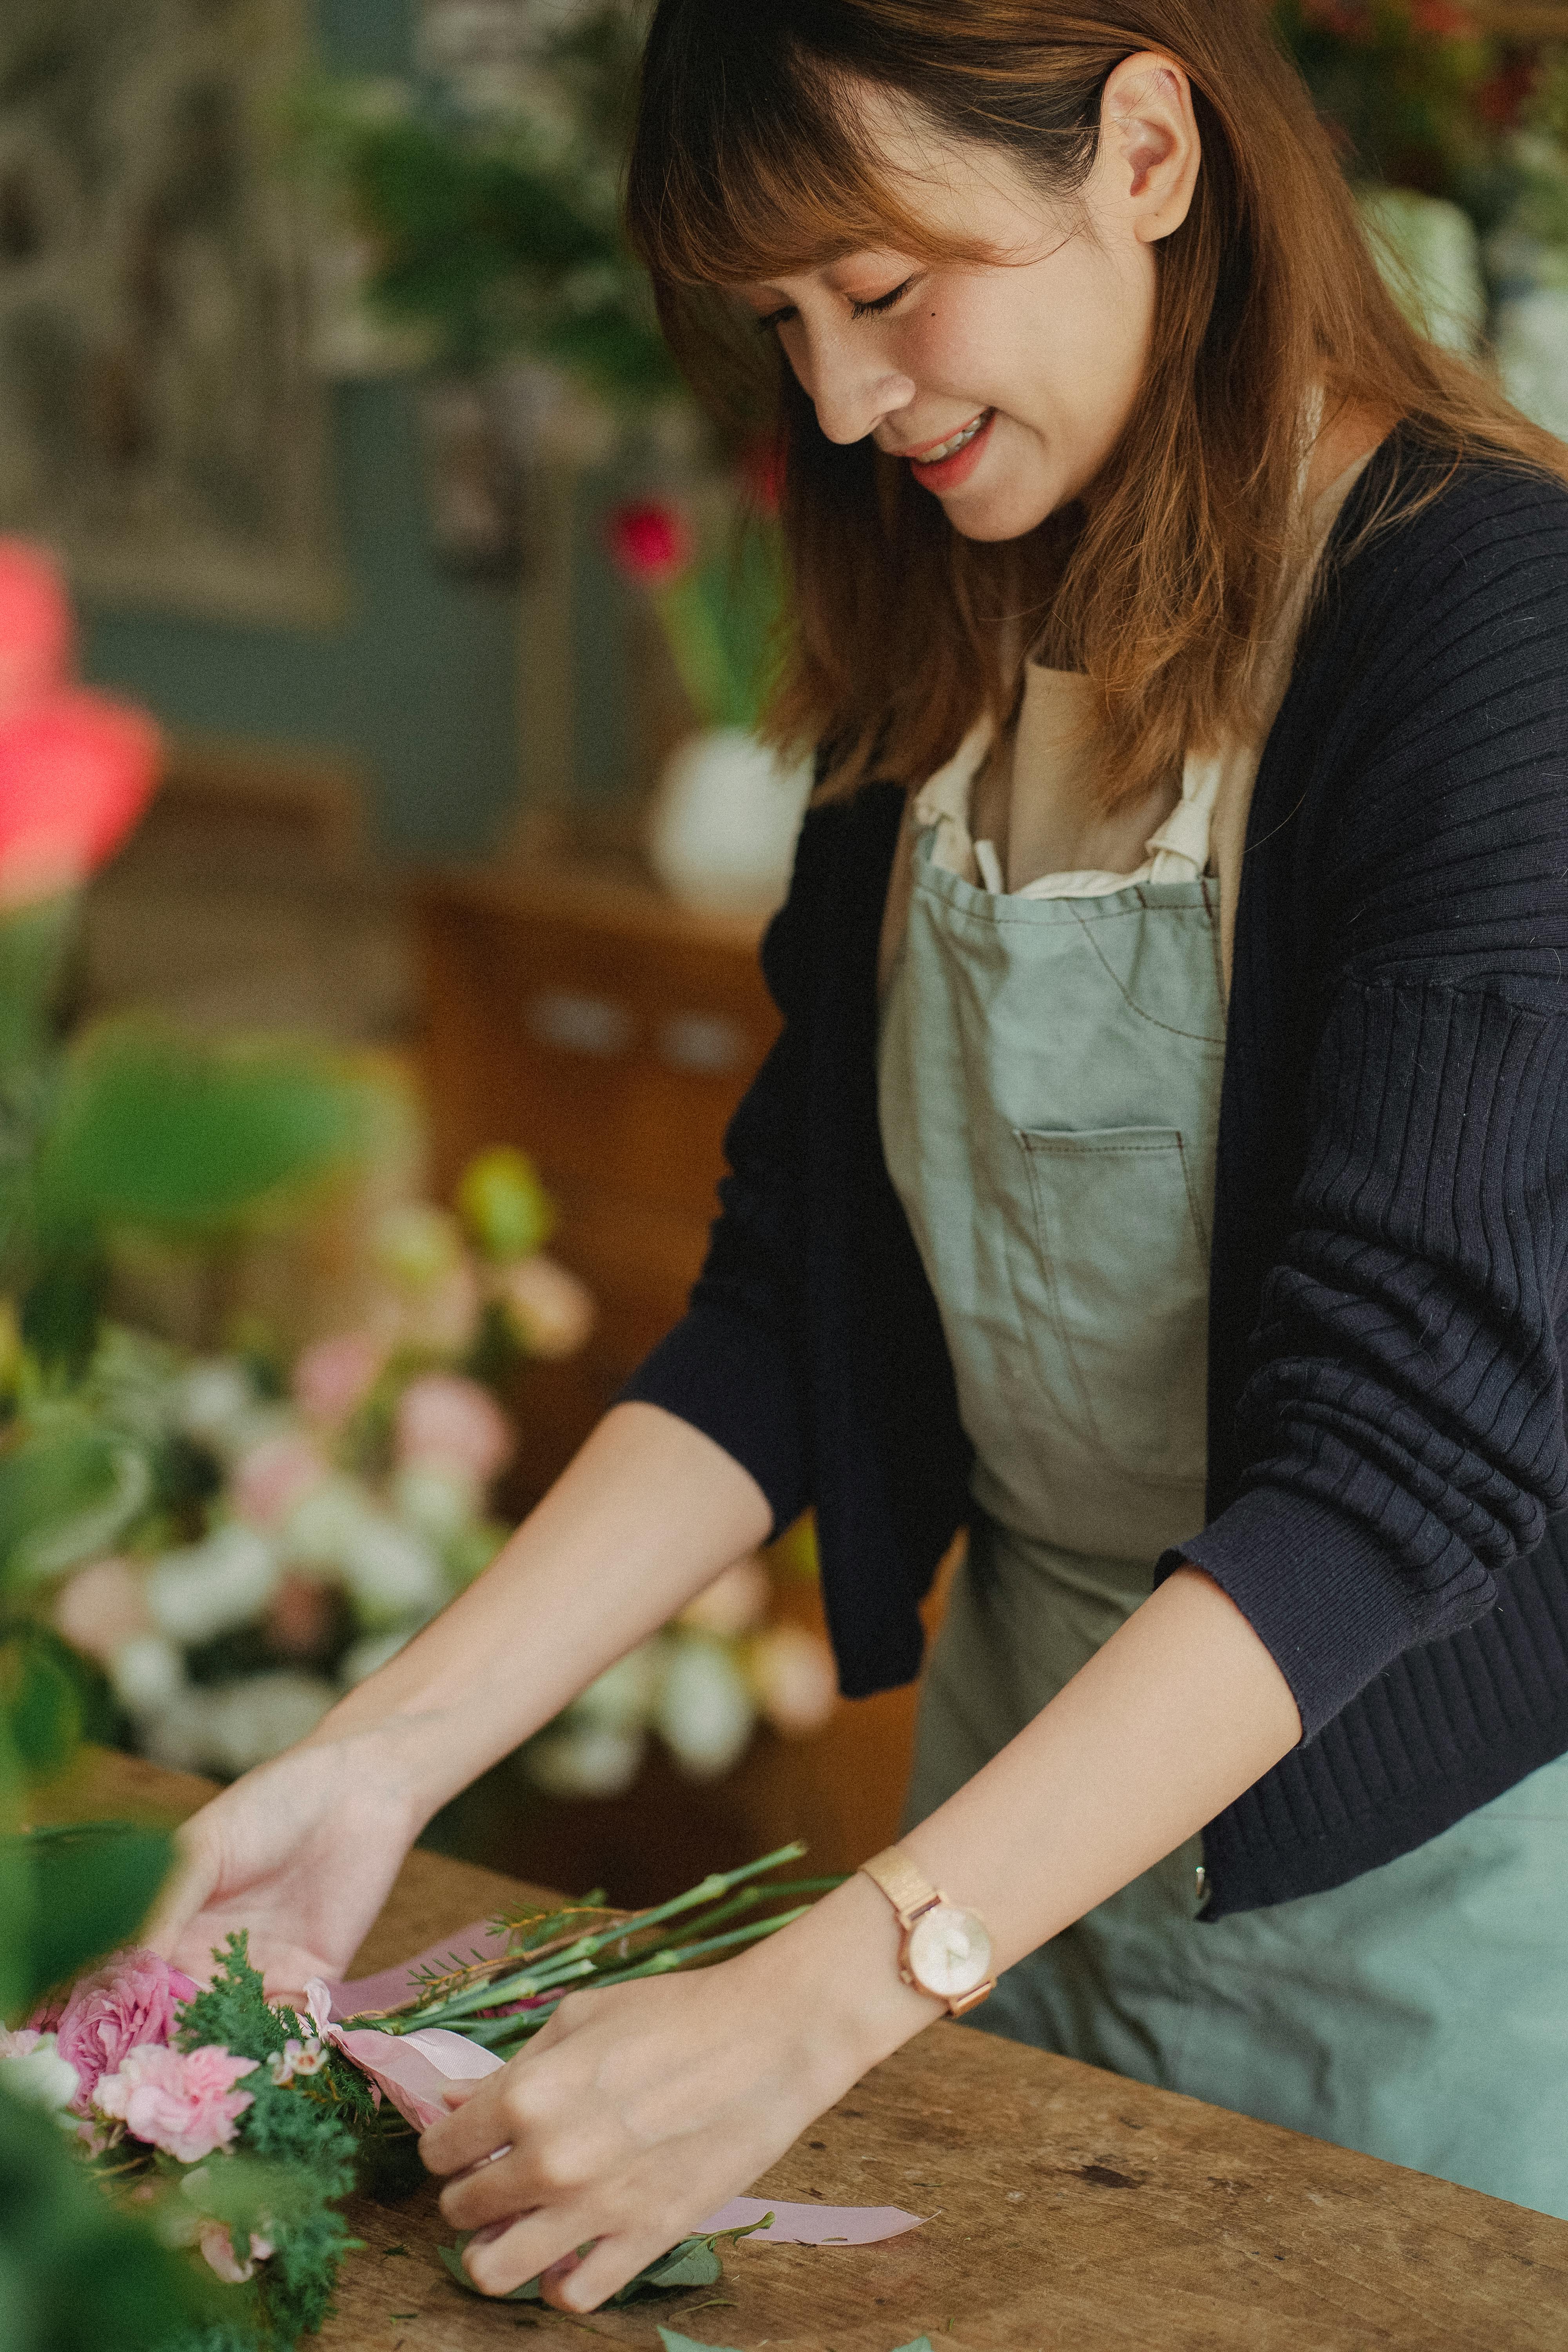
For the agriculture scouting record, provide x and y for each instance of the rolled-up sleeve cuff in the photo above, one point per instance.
(737, 1383)
(1329, 1600)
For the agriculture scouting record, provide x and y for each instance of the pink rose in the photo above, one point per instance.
(183, 2102)
(131, 2000)
(442, 1417)
(334, 1379)
(273, 1477)
(216, 2239)
(101, 1608)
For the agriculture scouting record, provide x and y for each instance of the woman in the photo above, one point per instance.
(1175, 963)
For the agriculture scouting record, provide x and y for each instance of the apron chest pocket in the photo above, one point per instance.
(1122, 1343)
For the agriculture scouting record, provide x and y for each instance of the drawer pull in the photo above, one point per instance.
(580, 1024)
(707, 1043)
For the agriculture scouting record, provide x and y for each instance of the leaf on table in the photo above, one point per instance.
(920, 2344)
(693, 2262)
(672, 2342)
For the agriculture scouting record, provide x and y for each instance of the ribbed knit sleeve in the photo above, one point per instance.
(1399, 1437)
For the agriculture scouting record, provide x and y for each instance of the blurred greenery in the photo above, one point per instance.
(499, 228)
(77, 2273)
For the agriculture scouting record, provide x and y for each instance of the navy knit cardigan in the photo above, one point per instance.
(1386, 1430)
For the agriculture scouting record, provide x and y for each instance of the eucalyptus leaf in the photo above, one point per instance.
(673, 2341)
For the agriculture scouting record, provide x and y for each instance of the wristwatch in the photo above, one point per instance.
(945, 1951)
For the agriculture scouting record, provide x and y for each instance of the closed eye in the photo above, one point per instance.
(871, 309)
(882, 302)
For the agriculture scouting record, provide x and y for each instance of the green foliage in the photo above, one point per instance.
(502, 231)
(1399, 81)
(305, 2134)
(77, 2274)
(68, 1483)
(188, 1135)
(88, 1887)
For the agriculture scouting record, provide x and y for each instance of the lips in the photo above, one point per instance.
(952, 460)
(933, 453)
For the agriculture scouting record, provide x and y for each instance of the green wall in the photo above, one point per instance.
(420, 680)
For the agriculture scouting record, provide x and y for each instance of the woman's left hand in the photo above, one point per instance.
(639, 2110)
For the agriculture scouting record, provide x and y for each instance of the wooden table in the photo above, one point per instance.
(1070, 2211)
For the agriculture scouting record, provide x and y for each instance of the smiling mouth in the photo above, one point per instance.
(936, 451)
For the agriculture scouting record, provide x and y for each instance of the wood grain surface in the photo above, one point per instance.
(1069, 2210)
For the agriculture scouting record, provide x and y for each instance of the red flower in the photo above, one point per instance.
(76, 772)
(75, 769)
(762, 471)
(1442, 21)
(36, 631)
(649, 540)
(1502, 98)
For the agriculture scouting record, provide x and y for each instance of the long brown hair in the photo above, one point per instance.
(749, 161)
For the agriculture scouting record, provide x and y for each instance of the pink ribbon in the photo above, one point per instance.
(415, 2070)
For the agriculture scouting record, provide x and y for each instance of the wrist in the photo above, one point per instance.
(388, 1767)
(837, 1971)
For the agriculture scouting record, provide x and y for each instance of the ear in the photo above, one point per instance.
(1149, 144)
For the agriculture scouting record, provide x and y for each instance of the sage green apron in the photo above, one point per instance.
(1049, 1076)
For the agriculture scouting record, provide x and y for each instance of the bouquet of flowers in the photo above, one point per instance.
(237, 2128)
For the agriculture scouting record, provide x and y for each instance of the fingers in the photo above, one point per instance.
(584, 2281)
(473, 2131)
(509, 2254)
(556, 2246)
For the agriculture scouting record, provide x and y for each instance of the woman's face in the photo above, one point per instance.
(1007, 384)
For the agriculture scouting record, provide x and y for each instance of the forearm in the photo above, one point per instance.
(1181, 1710)
(648, 1514)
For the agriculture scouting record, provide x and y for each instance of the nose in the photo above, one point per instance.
(852, 390)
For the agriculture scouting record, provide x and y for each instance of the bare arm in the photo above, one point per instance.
(638, 2110)
(302, 1851)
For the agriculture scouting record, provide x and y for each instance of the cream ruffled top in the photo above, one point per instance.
(1046, 758)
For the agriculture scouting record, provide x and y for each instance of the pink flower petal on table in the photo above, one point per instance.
(812, 2225)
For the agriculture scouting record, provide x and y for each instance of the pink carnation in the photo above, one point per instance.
(129, 2001)
(216, 2242)
(183, 2102)
(441, 1417)
(334, 1377)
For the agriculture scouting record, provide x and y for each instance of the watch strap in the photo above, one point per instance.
(907, 1889)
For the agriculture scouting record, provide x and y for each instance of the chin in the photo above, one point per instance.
(999, 516)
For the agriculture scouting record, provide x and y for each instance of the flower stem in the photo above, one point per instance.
(526, 1982)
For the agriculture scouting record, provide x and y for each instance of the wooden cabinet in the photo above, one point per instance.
(610, 1032)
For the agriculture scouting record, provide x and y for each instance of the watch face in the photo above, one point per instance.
(949, 1951)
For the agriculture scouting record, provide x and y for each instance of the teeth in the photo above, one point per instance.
(958, 441)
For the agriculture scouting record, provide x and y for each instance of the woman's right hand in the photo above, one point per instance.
(301, 1853)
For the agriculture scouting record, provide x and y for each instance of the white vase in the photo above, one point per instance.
(721, 829)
